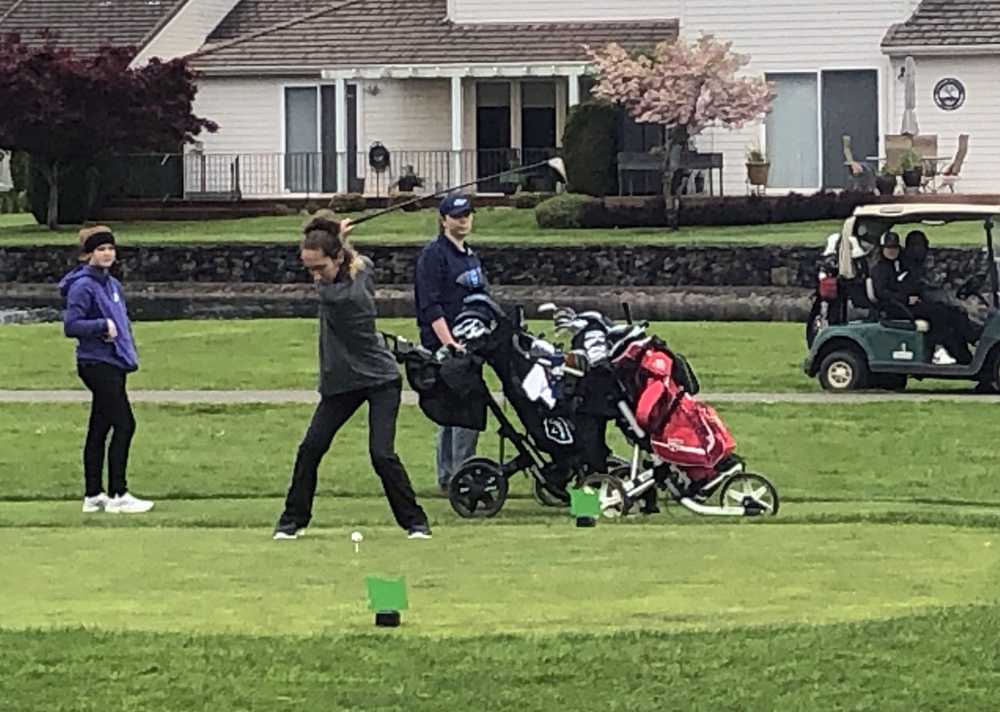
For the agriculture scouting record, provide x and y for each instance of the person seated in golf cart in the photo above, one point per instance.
(918, 284)
(896, 298)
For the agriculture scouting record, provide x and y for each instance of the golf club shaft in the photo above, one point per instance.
(445, 191)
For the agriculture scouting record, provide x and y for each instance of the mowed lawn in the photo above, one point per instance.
(874, 587)
(497, 226)
(282, 354)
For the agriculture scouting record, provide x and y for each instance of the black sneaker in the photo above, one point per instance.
(288, 531)
(419, 531)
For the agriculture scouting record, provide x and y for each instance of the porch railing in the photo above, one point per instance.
(234, 176)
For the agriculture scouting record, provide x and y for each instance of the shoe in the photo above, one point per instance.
(942, 357)
(288, 531)
(96, 503)
(127, 504)
(419, 531)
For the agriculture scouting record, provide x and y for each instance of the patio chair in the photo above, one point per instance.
(950, 175)
(860, 175)
(895, 146)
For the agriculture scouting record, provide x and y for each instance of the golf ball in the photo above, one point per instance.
(356, 537)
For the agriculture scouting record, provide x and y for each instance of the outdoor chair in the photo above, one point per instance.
(950, 175)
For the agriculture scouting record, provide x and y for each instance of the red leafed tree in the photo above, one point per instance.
(685, 87)
(60, 107)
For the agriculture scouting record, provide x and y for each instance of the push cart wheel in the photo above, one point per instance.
(752, 492)
(610, 492)
(545, 497)
(478, 489)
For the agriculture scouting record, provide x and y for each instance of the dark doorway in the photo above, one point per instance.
(850, 107)
(493, 150)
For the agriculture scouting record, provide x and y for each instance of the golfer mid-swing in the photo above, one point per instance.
(355, 367)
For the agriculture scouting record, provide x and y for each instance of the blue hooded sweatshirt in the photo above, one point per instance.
(92, 297)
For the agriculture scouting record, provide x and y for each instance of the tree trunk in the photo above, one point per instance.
(50, 170)
(677, 140)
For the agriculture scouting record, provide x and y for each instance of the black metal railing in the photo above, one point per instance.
(233, 176)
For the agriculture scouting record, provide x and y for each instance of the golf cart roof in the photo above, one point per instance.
(915, 212)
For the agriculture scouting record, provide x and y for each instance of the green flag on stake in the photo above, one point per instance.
(386, 594)
(584, 503)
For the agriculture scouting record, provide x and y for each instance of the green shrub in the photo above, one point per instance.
(530, 200)
(348, 203)
(590, 149)
(570, 210)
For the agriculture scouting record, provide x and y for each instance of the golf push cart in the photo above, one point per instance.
(890, 345)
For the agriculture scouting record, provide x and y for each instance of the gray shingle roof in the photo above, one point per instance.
(86, 24)
(943, 23)
(374, 32)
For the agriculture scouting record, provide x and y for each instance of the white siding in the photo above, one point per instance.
(187, 30)
(789, 36)
(563, 10)
(412, 118)
(976, 117)
(249, 114)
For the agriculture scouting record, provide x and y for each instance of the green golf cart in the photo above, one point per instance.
(885, 350)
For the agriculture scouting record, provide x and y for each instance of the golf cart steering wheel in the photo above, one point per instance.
(972, 287)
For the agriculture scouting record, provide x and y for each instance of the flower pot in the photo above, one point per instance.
(886, 185)
(912, 176)
(757, 173)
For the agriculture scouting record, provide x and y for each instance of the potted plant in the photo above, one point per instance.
(757, 166)
(912, 167)
(885, 182)
(408, 180)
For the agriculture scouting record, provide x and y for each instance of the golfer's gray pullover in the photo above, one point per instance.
(352, 354)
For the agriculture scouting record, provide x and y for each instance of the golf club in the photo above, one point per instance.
(555, 164)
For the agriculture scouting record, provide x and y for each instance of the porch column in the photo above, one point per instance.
(340, 123)
(574, 88)
(456, 130)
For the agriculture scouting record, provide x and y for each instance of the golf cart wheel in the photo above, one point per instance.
(843, 370)
(753, 492)
(610, 492)
(478, 490)
(546, 497)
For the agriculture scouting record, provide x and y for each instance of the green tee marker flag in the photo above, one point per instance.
(386, 594)
(584, 503)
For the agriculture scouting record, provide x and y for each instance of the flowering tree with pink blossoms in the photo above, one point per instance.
(685, 87)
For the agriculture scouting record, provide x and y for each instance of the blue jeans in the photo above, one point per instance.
(454, 446)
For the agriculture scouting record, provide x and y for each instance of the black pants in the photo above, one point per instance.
(950, 327)
(109, 410)
(331, 414)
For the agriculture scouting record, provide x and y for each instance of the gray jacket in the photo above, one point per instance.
(352, 354)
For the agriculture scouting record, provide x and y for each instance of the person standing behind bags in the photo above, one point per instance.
(447, 272)
(97, 317)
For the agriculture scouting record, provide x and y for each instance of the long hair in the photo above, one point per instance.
(322, 233)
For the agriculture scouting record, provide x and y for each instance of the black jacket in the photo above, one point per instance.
(890, 281)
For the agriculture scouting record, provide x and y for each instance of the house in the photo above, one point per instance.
(459, 89)
(955, 45)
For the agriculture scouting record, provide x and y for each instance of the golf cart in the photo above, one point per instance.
(890, 346)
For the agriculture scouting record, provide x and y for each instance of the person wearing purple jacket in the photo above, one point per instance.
(97, 317)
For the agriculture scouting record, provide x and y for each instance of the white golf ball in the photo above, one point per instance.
(356, 537)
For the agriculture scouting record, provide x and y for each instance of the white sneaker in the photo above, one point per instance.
(942, 357)
(127, 504)
(96, 503)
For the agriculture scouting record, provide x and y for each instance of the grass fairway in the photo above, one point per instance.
(837, 453)
(282, 353)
